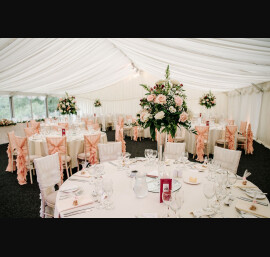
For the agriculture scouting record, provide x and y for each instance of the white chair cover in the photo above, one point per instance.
(48, 175)
(174, 150)
(229, 159)
(110, 151)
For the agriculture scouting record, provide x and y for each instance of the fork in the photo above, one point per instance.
(78, 212)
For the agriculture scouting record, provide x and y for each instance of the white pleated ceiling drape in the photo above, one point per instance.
(82, 65)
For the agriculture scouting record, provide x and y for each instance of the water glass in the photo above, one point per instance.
(167, 199)
(107, 185)
(209, 193)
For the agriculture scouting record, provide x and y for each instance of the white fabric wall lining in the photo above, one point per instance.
(124, 97)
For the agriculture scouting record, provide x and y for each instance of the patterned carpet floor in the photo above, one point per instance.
(23, 201)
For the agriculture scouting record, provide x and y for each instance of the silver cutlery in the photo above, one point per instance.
(68, 214)
(113, 163)
(242, 212)
(78, 180)
(250, 200)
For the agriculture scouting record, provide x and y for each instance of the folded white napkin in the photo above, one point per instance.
(201, 214)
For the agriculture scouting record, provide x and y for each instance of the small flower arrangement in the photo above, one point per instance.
(5, 122)
(67, 105)
(97, 103)
(208, 100)
(164, 107)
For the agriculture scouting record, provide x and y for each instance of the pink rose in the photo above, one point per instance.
(150, 98)
(183, 117)
(178, 100)
(161, 99)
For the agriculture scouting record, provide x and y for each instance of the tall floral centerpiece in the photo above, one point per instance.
(164, 108)
(97, 103)
(67, 105)
(208, 101)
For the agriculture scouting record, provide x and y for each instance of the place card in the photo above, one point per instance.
(165, 186)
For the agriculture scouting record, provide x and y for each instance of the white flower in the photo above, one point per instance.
(61, 110)
(172, 109)
(144, 116)
(63, 106)
(160, 115)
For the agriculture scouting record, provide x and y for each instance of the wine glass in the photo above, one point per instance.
(221, 177)
(99, 192)
(107, 185)
(177, 202)
(209, 192)
(185, 157)
(154, 154)
(231, 179)
(167, 199)
(220, 193)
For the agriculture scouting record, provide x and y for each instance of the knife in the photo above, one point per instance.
(249, 200)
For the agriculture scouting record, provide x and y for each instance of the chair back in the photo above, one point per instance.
(203, 134)
(10, 151)
(36, 126)
(230, 122)
(29, 131)
(63, 125)
(243, 128)
(21, 161)
(230, 136)
(48, 171)
(174, 150)
(110, 151)
(91, 147)
(250, 148)
(88, 123)
(96, 126)
(121, 121)
(229, 159)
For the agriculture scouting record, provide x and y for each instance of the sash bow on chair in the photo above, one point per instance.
(200, 142)
(231, 136)
(92, 144)
(249, 140)
(21, 160)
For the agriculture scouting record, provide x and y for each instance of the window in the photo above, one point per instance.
(38, 107)
(22, 108)
(4, 107)
(52, 104)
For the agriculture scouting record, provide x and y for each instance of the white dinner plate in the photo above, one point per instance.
(69, 189)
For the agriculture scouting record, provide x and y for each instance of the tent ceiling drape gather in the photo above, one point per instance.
(83, 65)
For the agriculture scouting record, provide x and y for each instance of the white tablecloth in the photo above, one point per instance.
(75, 145)
(215, 133)
(127, 205)
(18, 130)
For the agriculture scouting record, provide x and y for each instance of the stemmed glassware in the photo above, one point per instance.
(185, 157)
(147, 154)
(220, 193)
(209, 193)
(231, 180)
(177, 202)
(99, 192)
(167, 199)
(107, 185)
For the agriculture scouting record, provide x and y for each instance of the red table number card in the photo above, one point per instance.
(165, 185)
(63, 132)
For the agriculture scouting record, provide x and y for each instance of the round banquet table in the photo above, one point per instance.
(75, 144)
(215, 133)
(126, 205)
(51, 125)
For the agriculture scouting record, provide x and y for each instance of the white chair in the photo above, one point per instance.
(229, 159)
(48, 175)
(174, 150)
(110, 151)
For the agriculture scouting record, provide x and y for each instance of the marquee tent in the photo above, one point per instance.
(237, 70)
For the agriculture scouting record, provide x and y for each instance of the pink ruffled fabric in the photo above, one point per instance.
(230, 122)
(128, 117)
(36, 126)
(95, 126)
(11, 167)
(135, 130)
(230, 136)
(249, 140)
(243, 126)
(121, 122)
(117, 129)
(121, 139)
(201, 131)
(21, 144)
(63, 125)
(91, 146)
(57, 145)
(170, 139)
(12, 145)
(29, 132)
